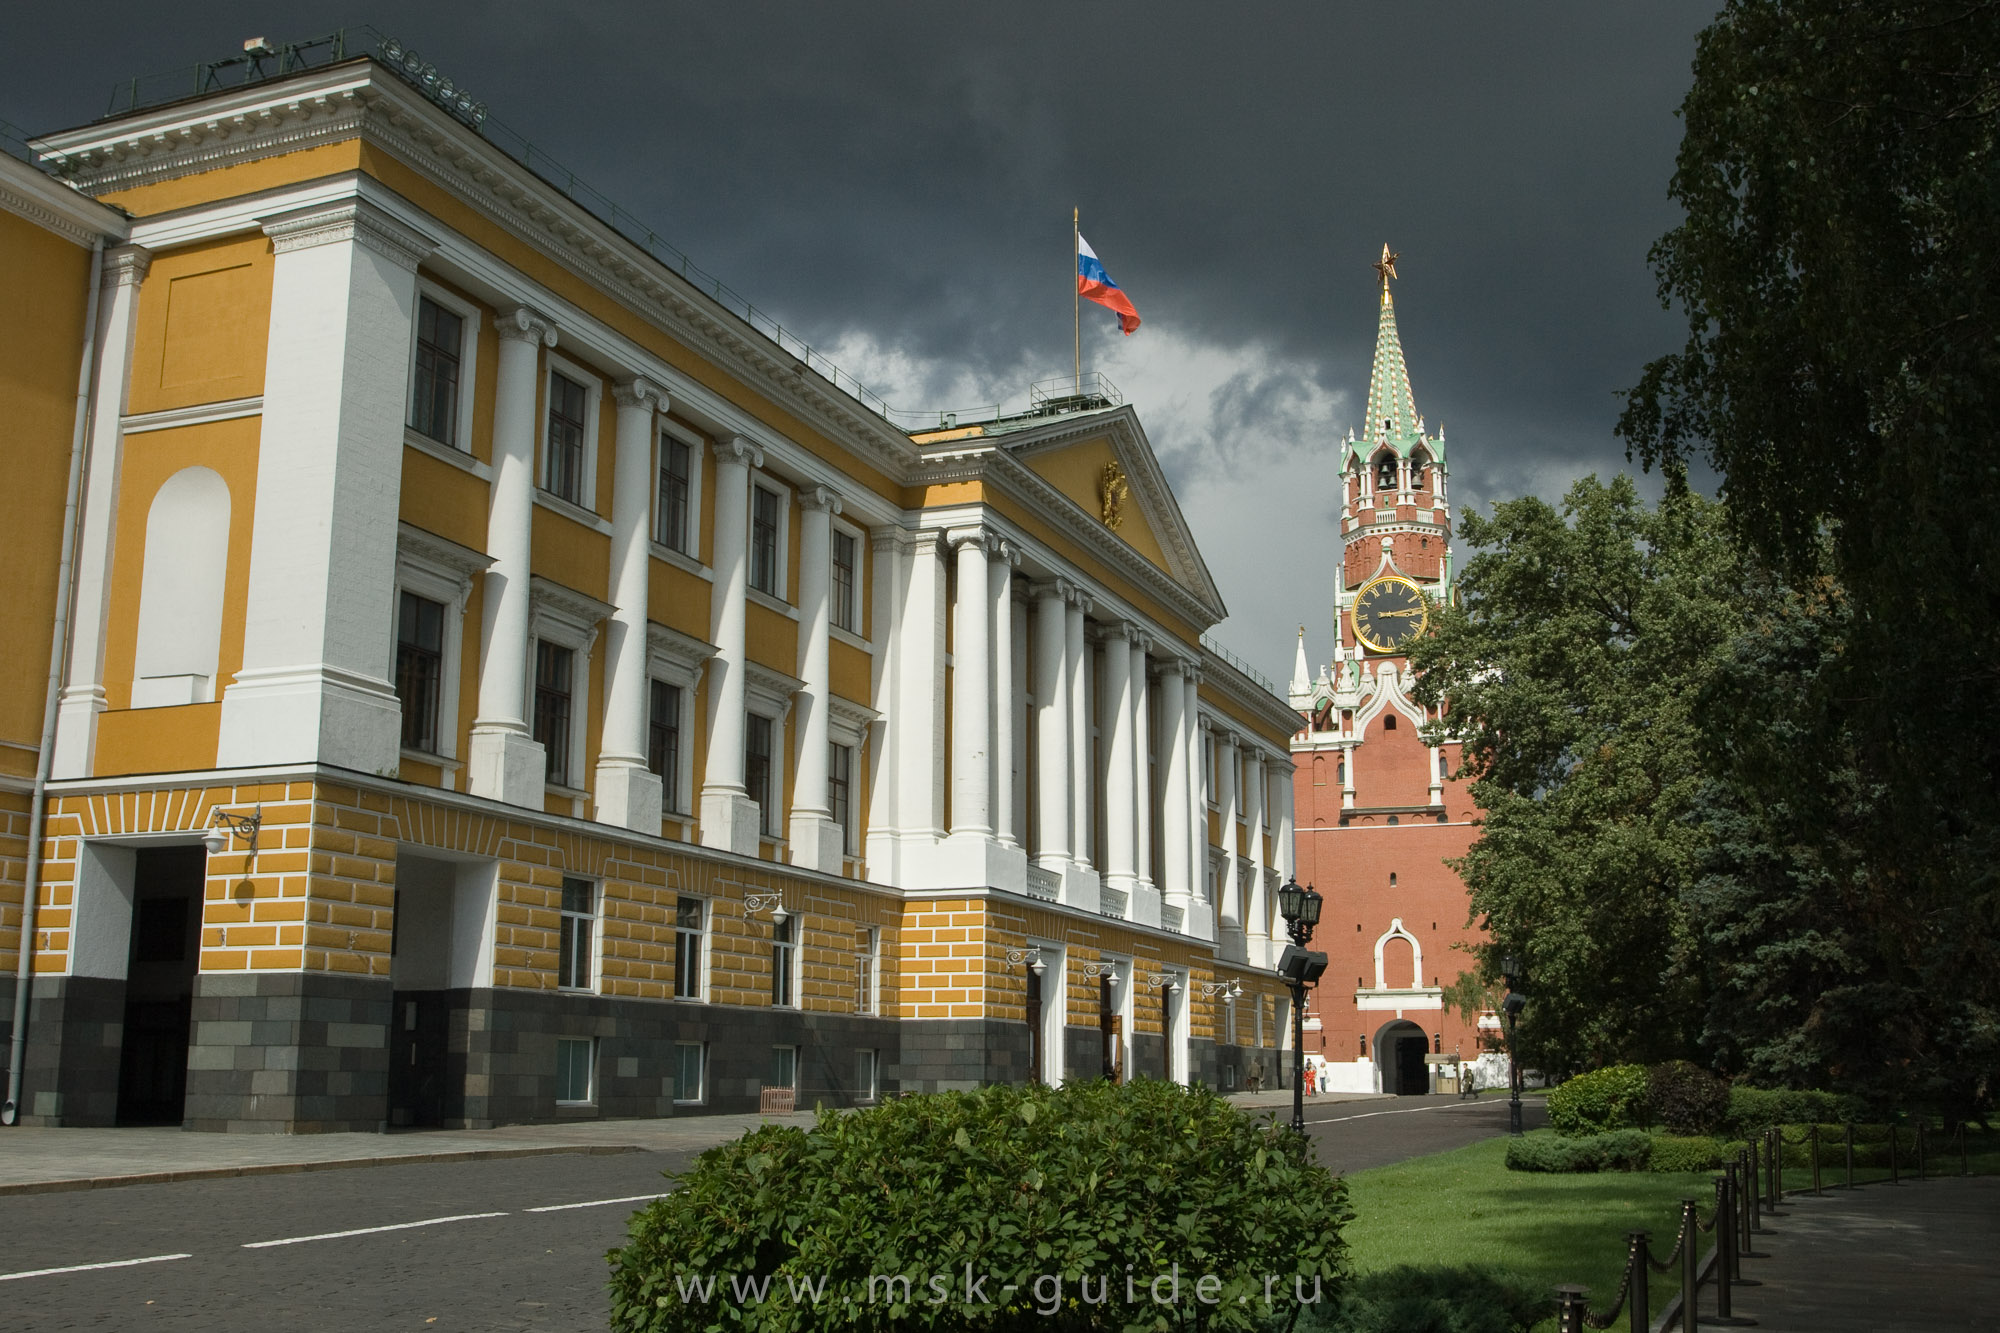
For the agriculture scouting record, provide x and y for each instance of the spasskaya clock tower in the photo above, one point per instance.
(1377, 813)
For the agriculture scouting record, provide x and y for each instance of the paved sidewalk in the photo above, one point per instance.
(36, 1160)
(1923, 1255)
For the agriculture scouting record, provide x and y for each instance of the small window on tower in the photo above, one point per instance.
(1389, 722)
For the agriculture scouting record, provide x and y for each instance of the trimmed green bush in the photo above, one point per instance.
(1754, 1109)
(1610, 1098)
(1672, 1152)
(921, 1212)
(1620, 1150)
(1686, 1099)
(1410, 1299)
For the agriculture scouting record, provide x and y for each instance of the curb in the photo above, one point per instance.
(294, 1168)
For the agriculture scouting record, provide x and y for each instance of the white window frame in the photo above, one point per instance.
(569, 619)
(768, 694)
(678, 659)
(701, 949)
(848, 723)
(596, 946)
(593, 398)
(443, 571)
(780, 591)
(697, 454)
(858, 635)
(700, 1097)
(868, 993)
(794, 948)
(868, 1062)
(589, 1097)
(794, 1084)
(468, 366)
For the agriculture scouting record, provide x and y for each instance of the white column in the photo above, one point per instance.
(1000, 608)
(319, 640)
(972, 689)
(1347, 776)
(1114, 710)
(1229, 904)
(83, 690)
(628, 793)
(1437, 776)
(1016, 737)
(1146, 894)
(1175, 806)
(1285, 775)
(816, 840)
(504, 761)
(1256, 921)
(1082, 781)
(906, 802)
(1054, 808)
(730, 819)
(1202, 912)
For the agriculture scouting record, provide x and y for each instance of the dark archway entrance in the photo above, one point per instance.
(1400, 1048)
(165, 952)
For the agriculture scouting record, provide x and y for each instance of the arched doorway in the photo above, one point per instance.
(1400, 1047)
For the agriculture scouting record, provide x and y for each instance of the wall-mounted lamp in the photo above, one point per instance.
(221, 824)
(1032, 956)
(1228, 990)
(1165, 981)
(1109, 971)
(774, 903)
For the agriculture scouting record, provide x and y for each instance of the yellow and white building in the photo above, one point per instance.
(497, 682)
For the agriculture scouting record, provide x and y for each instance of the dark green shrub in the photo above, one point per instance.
(1410, 1299)
(1686, 1099)
(1620, 1150)
(1054, 1191)
(1754, 1109)
(1673, 1152)
(1609, 1098)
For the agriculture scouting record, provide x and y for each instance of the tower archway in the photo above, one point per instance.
(1400, 1047)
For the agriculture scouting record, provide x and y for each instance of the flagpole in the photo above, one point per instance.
(1076, 292)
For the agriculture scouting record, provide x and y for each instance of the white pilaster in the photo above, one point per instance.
(1080, 881)
(628, 793)
(1347, 776)
(816, 841)
(1176, 886)
(1229, 901)
(972, 689)
(504, 761)
(730, 818)
(319, 623)
(1114, 709)
(1145, 893)
(1000, 604)
(83, 690)
(1256, 922)
(1054, 808)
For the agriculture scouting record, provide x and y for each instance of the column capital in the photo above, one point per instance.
(1227, 737)
(1114, 631)
(126, 265)
(1007, 553)
(526, 324)
(639, 392)
(738, 451)
(353, 220)
(818, 498)
(959, 537)
(1078, 598)
(1170, 665)
(1057, 589)
(1140, 639)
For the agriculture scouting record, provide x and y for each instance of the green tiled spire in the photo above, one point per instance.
(1392, 409)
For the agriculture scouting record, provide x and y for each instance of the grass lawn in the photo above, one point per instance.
(1466, 1209)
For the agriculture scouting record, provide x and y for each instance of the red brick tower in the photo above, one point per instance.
(1376, 816)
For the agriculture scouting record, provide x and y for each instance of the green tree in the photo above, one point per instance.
(1837, 266)
(1570, 667)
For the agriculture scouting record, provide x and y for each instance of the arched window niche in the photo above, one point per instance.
(180, 591)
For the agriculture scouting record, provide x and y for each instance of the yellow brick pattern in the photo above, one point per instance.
(13, 873)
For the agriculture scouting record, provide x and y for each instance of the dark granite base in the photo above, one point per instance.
(288, 1052)
(958, 1054)
(70, 1073)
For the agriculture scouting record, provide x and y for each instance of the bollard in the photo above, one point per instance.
(1813, 1147)
(1636, 1293)
(1920, 1148)
(1774, 1169)
(1964, 1160)
(1895, 1176)
(1725, 1242)
(1744, 1183)
(1850, 1154)
(1570, 1308)
(1691, 1264)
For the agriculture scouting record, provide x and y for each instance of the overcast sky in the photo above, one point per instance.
(895, 181)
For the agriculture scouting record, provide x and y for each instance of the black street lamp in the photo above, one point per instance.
(1516, 1001)
(1299, 967)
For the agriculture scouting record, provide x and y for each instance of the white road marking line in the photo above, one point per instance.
(1409, 1110)
(368, 1231)
(85, 1268)
(594, 1203)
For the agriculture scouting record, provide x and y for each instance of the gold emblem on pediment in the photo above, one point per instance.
(1113, 492)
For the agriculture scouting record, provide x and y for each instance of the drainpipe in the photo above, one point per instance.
(31, 888)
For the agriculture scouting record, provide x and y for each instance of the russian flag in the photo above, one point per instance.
(1094, 284)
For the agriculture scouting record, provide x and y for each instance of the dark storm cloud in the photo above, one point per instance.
(902, 175)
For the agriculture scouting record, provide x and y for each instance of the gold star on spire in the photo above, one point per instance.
(1385, 268)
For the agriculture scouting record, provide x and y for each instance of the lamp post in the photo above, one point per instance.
(1516, 1001)
(1300, 908)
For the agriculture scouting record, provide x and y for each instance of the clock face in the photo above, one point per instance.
(1389, 612)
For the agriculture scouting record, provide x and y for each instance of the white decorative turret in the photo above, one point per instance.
(1301, 674)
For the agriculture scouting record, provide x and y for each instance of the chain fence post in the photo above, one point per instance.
(1690, 1265)
(1813, 1142)
(1636, 1262)
(1725, 1242)
(1570, 1308)
(1774, 1168)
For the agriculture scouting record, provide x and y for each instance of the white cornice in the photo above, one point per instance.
(1240, 690)
(192, 416)
(28, 193)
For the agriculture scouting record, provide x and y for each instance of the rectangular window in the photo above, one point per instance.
(569, 410)
(574, 1066)
(757, 770)
(553, 668)
(764, 540)
(867, 966)
(687, 949)
(579, 916)
(843, 607)
(784, 956)
(675, 471)
(663, 742)
(839, 792)
(419, 669)
(864, 1076)
(785, 1067)
(434, 392)
(690, 1060)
